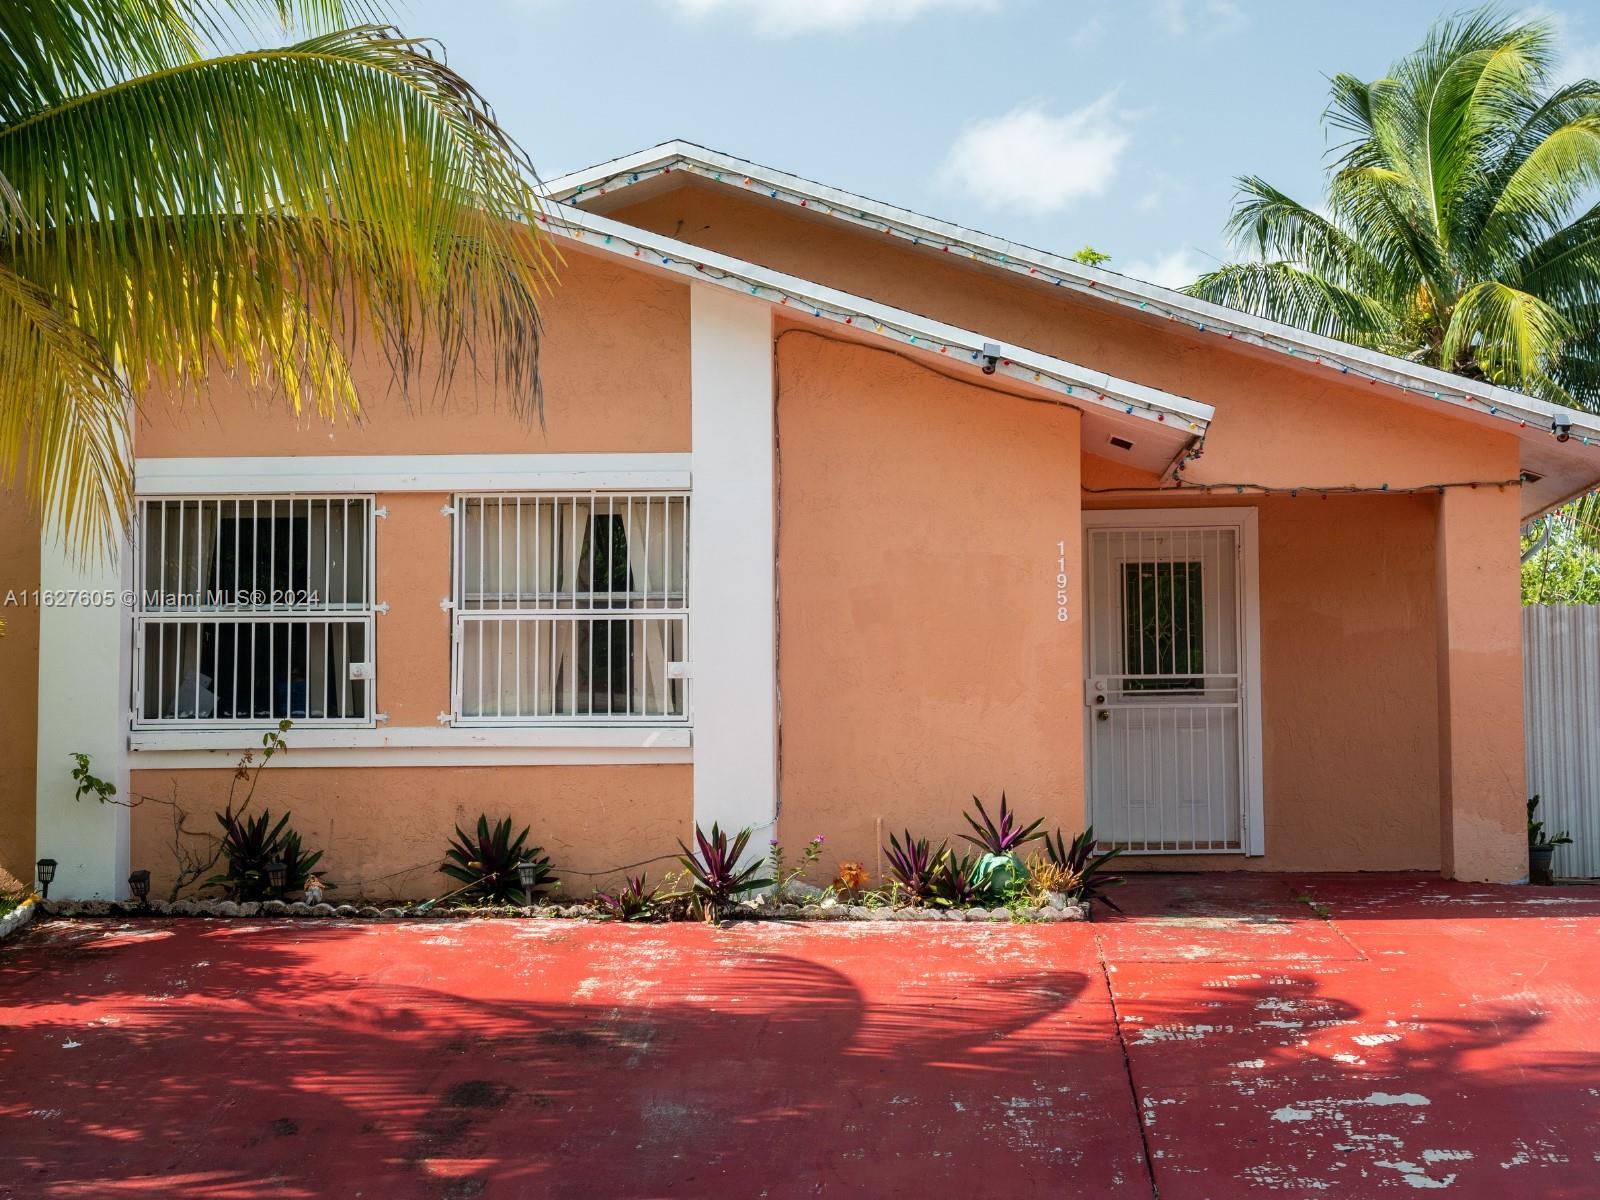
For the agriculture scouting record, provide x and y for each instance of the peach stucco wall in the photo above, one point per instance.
(615, 365)
(1350, 731)
(1278, 422)
(384, 830)
(920, 659)
(19, 688)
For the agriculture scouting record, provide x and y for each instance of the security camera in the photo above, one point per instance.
(1561, 425)
(991, 357)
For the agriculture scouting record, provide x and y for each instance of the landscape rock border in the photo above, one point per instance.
(17, 917)
(742, 912)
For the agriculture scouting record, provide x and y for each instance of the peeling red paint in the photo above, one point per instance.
(1428, 1036)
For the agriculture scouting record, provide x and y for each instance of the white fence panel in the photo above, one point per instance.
(1561, 680)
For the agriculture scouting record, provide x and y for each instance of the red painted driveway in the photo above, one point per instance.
(1221, 1040)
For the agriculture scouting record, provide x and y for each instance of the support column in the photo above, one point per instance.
(84, 654)
(732, 604)
(1482, 784)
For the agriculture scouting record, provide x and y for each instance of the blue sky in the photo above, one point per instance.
(1055, 122)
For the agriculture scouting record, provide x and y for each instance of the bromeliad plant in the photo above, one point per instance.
(250, 844)
(634, 901)
(956, 883)
(1005, 836)
(1082, 875)
(487, 863)
(914, 866)
(716, 879)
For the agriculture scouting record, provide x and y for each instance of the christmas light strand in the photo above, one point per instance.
(1322, 490)
(892, 227)
(1075, 389)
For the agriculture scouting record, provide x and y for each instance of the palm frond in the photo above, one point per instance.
(261, 212)
(63, 417)
(1284, 292)
(1513, 336)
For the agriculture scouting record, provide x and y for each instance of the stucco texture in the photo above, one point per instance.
(1350, 764)
(614, 361)
(920, 656)
(19, 687)
(384, 831)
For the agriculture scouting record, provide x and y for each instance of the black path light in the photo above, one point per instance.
(277, 875)
(139, 885)
(528, 875)
(47, 872)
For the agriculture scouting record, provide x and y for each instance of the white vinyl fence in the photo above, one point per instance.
(1561, 681)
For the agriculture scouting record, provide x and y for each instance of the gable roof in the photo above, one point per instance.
(1162, 427)
(1562, 469)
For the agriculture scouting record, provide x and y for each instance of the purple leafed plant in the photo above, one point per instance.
(955, 881)
(634, 901)
(1089, 877)
(1002, 836)
(913, 866)
(716, 878)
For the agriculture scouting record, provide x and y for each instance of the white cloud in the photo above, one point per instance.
(1174, 270)
(1577, 57)
(787, 18)
(1183, 17)
(1037, 162)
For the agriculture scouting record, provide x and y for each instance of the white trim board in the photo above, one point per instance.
(411, 473)
(418, 746)
(1246, 520)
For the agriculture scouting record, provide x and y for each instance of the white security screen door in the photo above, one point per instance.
(1170, 688)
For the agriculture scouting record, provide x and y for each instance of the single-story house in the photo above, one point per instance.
(840, 516)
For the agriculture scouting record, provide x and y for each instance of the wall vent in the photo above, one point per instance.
(1121, 443)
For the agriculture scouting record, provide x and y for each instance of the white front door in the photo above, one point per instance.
(1171, 689)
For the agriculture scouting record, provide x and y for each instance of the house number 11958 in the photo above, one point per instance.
(1061, 581)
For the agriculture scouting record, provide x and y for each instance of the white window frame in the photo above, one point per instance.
(362, 614)
(676, 671)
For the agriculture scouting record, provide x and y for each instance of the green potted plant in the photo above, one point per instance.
(1541, 846)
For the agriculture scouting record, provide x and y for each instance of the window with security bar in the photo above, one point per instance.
(571, 608)
(251, 610)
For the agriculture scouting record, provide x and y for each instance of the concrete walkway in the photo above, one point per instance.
(1230, 1036)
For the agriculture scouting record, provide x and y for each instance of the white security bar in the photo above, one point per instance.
(571, 607)
(253, 609)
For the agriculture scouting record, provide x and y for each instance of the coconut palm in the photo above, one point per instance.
(1460, 228)
(178, 201)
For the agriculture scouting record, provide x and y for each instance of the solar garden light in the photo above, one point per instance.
(47, 872)
(528, 874)
(277, 875)
(139, 885)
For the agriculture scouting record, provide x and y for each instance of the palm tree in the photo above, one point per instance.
(1460, 228)
(177, 201)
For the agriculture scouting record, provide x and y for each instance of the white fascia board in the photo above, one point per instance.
(371, 473)
(1091, 388)
(1017, 258)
